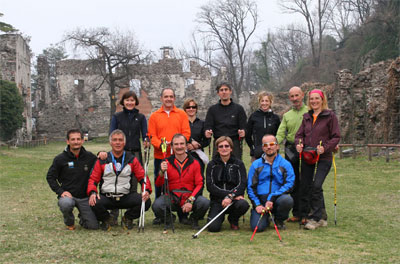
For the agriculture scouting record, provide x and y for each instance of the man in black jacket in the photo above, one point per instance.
(226, 118)
(68, 177)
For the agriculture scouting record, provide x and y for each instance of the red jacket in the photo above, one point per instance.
(325, 129)
(166, 125)
(188, 179)
(136, 170)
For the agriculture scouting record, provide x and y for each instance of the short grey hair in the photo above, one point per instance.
(117, 132)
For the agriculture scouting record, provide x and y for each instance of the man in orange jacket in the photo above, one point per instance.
(165, 123)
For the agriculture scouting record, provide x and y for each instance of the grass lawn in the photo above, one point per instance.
(32, 230)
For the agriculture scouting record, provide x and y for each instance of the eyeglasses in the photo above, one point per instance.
(270, 144)
(192, 107)
(224, 146)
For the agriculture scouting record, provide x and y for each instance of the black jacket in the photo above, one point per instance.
(224, 179)
(225, 120)
(259, 124)
(132, 123)
(69, 173)
(197, 133)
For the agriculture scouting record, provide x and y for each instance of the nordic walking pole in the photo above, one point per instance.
(301, 218)
(255, 229)
(166, 193)
(334, 183)
(316, 164)
(241, 154)
(212, 220)
(142, 208)
(273, 221)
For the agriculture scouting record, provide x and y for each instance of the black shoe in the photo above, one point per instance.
(157, 221)
(195, 223)
(184, 221)
(280, 225)
(127, 224)
(114, 217)
(106, 224)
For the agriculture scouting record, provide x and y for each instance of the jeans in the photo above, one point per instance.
(235, 211)
(280, 210)
(87, 217)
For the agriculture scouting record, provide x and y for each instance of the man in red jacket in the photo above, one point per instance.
(184, 182)
(115, 175)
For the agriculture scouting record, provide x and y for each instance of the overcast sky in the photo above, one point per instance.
(156, 23)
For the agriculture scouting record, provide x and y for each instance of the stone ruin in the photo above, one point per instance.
(15, 66)
(78, 99)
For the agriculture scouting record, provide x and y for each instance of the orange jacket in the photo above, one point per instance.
(166, 125)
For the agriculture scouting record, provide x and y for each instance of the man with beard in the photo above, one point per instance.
(270, 180)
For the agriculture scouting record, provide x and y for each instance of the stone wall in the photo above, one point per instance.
(79, 100)
(15, 66)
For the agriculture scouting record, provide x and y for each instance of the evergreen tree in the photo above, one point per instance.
(11, 108)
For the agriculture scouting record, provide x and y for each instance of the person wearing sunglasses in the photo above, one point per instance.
(226, 182)
(198, 140)
(269, 183)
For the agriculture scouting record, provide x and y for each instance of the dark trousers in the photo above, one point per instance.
(294, 160)
(157, 167)
(199, 209)
(312, 196)
(281, 210)
(237, 148)
(131, 201)
(235, 211)
(202, 167)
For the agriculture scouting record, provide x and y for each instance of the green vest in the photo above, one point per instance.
(291, 122)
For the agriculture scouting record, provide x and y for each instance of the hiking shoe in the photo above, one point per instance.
(280, 225)
(157, 221)
(106, 224)
(195, 224)
(293, 219)
(234, 227)
(323, 223)
(71, 227)
(312, 224)
(127, 223)
(184, 221)
(114, 217)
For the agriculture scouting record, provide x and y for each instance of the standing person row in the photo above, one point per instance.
(226, 118)
(263, 121)
(319, 130)
(291, 122)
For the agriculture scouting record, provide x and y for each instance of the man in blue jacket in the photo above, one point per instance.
(269, 183)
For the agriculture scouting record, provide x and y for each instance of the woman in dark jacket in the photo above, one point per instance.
(198, 140)
(132, 123)
(319, 132)
(226, 183)
(261, 122)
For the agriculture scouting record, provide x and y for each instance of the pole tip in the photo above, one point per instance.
(194, 236)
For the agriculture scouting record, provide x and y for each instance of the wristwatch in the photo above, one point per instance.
(191, 199)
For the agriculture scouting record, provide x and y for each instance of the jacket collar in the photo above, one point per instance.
(134, 110)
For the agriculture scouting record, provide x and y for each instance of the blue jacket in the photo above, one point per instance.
(261, 187)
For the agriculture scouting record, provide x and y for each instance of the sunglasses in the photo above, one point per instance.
(224, 146)
(192, 107)
(269, 144)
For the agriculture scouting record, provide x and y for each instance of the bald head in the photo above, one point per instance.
(296, 96)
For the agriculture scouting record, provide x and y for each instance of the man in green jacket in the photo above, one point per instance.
(291, 122)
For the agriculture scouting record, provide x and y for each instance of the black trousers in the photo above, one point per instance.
(235, 211)
(131, 201)
(312, 202)
(294, 160)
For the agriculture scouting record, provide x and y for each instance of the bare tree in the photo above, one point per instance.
(362, 8)
(317, 16)
(226, 27)
(113, 52)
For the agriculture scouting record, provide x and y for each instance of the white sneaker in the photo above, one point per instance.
(312, 224)
(323, 223)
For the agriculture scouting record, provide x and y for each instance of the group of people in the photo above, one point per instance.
(99, 186)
